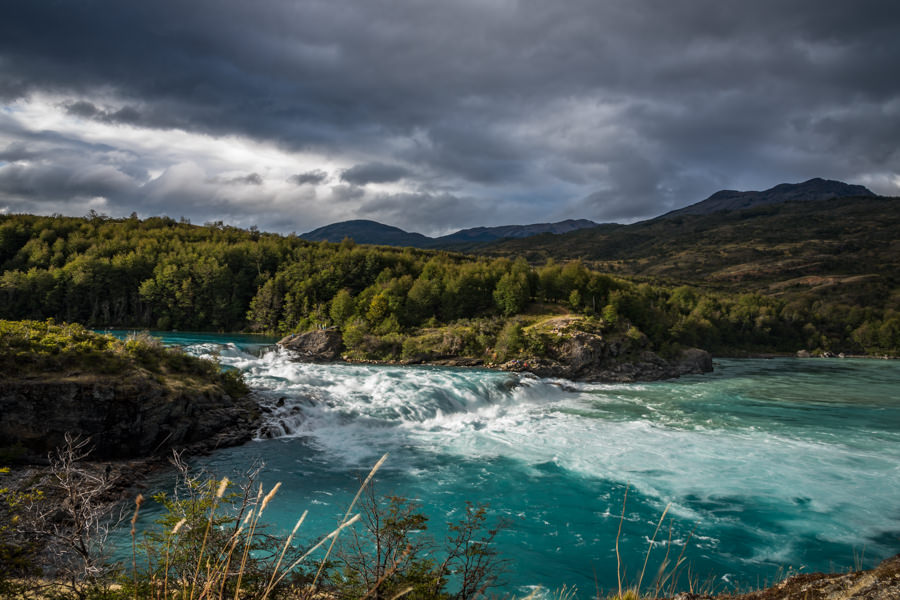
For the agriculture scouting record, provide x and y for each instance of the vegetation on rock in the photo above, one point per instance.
(135, 396)
(51, 350)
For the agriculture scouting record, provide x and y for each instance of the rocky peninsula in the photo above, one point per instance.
(565, 346)
(133, 398)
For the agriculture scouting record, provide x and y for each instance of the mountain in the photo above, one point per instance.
(844, 247)
(372, 232)
(814, 190)
(367, 232)
(490, 234)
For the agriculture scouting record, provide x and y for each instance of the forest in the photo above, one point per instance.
(159, 273)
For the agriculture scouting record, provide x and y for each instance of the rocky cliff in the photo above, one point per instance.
(125, 417)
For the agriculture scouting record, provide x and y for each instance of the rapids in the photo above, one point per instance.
(768, 465)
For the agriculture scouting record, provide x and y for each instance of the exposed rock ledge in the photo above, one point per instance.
(579, 356)
(125, 417)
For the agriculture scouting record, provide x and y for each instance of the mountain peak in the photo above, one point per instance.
(365, 231)
(812, 190)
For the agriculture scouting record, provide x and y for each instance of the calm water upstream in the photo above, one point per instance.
(768, 464)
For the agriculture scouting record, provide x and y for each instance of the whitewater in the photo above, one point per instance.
(767, 466)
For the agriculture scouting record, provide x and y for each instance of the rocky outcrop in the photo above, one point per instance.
(125, 417)
(588, 357)
(320, 345)
(569, 353)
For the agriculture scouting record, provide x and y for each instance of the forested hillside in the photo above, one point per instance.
(837, 262)
(159, 273)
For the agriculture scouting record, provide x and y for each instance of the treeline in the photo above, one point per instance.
(160, 273)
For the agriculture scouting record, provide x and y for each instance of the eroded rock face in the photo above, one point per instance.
(125, 418)
(318, 345)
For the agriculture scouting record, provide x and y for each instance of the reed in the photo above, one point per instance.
(667, 573)
(211, 577)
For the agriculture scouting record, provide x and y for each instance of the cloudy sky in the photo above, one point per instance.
(438, 115)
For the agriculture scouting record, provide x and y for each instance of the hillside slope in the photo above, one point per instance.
(766, 247)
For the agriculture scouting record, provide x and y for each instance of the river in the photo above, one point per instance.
(768, 466)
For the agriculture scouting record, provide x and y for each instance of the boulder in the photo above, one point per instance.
(314, 346)
(693, 361)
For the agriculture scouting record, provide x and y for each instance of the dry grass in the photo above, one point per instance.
(212, 577)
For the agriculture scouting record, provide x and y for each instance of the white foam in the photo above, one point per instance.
(653, 438)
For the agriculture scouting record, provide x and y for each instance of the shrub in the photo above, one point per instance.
(510, 341)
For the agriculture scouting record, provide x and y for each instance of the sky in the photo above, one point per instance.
(438, 115)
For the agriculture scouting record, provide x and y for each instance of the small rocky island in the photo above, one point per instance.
(563, 346)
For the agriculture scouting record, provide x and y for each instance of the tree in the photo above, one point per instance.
(511, 293)
(510, 341)
(575, 300)
(73, 530)
(342, 307)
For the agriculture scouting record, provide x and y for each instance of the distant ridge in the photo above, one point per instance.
(371, 232)
(489, 234)
(813, 190)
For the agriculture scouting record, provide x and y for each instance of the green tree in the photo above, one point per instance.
(342, 307)
(511, 293)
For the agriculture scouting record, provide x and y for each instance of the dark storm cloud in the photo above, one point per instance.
(373, 173)
(47, 182)
(83, 109)
(249, 179)
(623, 108)
(345, 193)
(126, 115)
(15, 152)
(315, 176)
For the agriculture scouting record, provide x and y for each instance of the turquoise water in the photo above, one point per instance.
(768, 465)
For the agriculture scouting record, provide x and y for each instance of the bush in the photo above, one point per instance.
(510, 341)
